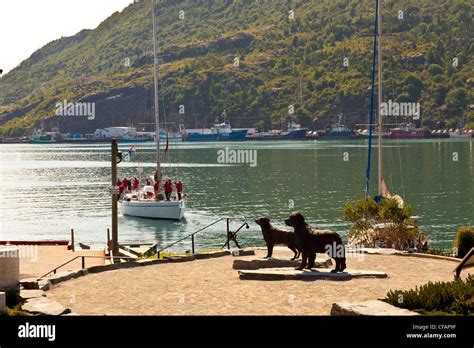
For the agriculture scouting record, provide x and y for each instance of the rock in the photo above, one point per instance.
(275, 263)
(44, 284)
(181, 258)
(130, 264)
(62, 276)
(314, 274)
(219, 253)
(372, 307)
(202, 256)
(27, 294)
(44, 306)
(98, 269)
(30, 283)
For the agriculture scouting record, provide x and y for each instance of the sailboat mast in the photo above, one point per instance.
(157, 111)
(379, 34)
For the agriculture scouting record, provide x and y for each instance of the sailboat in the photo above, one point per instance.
(371, 228)
(137, 204)
(382, 187)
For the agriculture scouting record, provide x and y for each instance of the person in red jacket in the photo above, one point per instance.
(136, 184)
(121, 185)
(179, 188)
(147, 182)
(168, 188)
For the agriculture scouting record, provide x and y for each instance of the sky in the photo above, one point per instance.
(27, 25)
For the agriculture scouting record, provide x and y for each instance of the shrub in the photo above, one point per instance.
(15, 311)
(464, 241)
(384, 221)
(445, 298)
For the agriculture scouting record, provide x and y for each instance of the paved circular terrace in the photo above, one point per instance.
(212, 287)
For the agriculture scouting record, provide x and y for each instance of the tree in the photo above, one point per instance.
(456, 101)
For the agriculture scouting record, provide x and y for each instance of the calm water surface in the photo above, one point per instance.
(49, 189)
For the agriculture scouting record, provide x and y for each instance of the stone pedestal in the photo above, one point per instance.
(9, 268)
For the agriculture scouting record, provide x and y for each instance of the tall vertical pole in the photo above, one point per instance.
(379, 34)
(155, 93)
(114, 198)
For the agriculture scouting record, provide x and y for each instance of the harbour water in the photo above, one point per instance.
(47, 189)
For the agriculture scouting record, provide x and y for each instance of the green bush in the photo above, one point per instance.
(439, 298)
(385, 221)
(464, 241)
(15, 311)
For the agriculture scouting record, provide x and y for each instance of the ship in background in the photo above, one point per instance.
(218, 132)
(408, 131)
(293, 131)
(337, 131)
(42, 137)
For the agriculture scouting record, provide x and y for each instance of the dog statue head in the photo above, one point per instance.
(295, 220)
(263, 222)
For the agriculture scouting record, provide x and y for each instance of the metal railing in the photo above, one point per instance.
(230, 235)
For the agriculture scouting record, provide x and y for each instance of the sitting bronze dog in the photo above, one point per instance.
(311, 241)
(273, 235)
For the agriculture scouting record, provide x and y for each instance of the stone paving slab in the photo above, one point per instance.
(372, 307)
(314, 274)
(44, 306)
(28, 294)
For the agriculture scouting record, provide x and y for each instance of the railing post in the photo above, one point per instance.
(83, 262)
(115, 246)
(108, 236)
(72, 240)
(192, 240)
(228, 234)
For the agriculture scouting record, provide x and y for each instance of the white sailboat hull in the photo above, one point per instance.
(168, 210)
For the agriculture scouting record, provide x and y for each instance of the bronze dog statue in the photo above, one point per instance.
(273, 235)
(311, 241)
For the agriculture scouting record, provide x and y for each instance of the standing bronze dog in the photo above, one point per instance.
(273, 235)
(311, 241)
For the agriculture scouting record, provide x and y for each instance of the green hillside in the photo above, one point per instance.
(428, 58)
